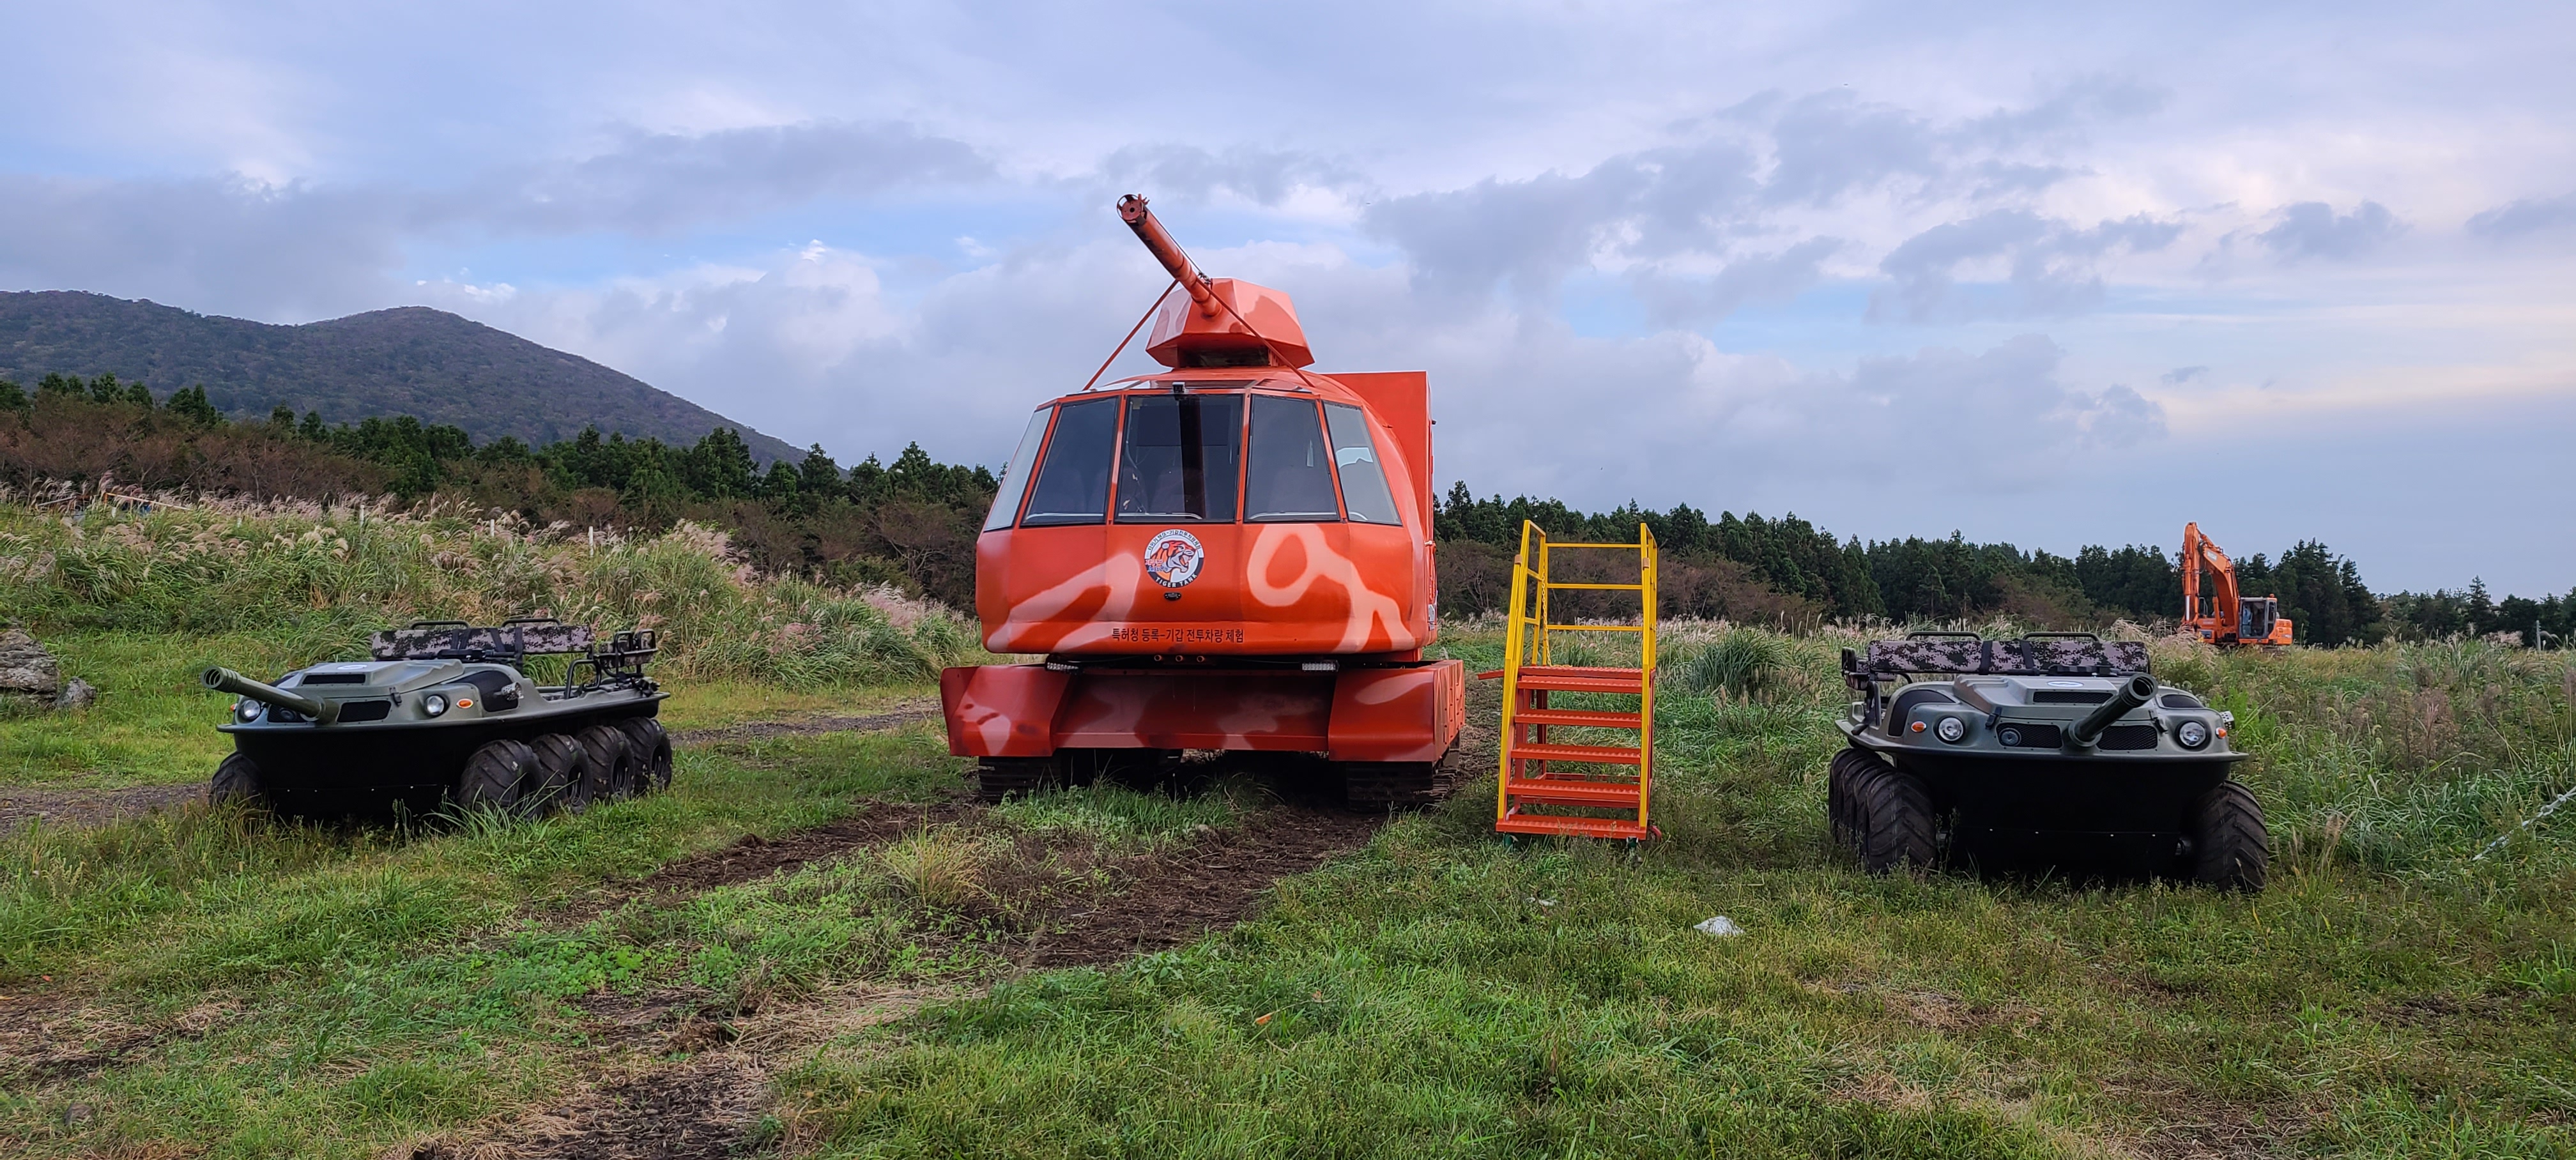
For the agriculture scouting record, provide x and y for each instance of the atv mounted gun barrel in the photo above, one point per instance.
(225, 680)
(2135, 691)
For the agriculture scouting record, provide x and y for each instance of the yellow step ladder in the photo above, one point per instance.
(1544, 779)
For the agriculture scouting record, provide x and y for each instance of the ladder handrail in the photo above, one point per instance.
(1513, 647)
(1646, 686)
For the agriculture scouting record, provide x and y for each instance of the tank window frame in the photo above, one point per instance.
(1109, 475)
(1241, 402)
(1361, 422)
(1014, 492)
(1324, 441)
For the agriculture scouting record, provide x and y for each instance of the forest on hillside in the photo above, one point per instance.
(410, 360)
(912, 523)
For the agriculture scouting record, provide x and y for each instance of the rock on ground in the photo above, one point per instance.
(26, 668)
(76, 694)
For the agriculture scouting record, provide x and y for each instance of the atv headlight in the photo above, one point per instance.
(1951, 730)
(2192, 734)
(433, 704)
(247, 710)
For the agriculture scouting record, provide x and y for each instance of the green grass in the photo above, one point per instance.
(1439, 993)
(1445, 994)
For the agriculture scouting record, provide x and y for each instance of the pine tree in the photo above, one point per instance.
(818, 475)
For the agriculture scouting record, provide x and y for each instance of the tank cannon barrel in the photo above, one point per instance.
(1158, 241)
(225, 680)
(2135, 691)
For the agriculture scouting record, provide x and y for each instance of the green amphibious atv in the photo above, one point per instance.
(446, 713)
(2057, 751)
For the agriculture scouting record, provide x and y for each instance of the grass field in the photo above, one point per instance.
(199, 982)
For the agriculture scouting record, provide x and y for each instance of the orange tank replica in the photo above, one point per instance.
(1233, 553)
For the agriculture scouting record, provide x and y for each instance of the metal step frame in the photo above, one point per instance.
(1541, 777)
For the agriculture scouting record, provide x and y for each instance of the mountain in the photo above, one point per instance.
(411, 360)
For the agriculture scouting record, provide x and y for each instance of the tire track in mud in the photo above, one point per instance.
(708, 1105)
(896, 717)
(27, 805)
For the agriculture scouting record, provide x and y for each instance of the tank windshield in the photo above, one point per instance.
(1289, 467)
(1015, 478)
(1072, 484)
(1364, 489)
(1181, 457)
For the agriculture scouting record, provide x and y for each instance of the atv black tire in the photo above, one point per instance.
(492, 776)
(1892, 821)
(237, 780)
(651, 747)
(2230, 848)
(612, 763)
(555, 781)
(1848, 767)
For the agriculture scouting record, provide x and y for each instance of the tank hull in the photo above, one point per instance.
(372, 769)
(1395, 713)
(1381, 732)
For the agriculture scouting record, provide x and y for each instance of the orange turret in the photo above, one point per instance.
(1230, 554)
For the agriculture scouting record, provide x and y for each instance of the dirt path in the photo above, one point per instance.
(707, 1105)
(896, 717)
(25, 805)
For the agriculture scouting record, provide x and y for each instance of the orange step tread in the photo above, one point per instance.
(1569, 792)
(1609, 754)
(1521, 823)
(1588, 718)
(1581, 679)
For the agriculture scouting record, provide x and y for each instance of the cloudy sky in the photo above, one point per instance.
(2031, 273)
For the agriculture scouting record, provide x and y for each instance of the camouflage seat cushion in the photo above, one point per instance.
(2059, 654)
(2035, 655)
(403, 644)
(1939, 654)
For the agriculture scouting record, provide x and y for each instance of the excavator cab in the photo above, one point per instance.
(2255, 617)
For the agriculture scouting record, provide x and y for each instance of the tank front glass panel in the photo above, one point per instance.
(1072, 484)
(1289, 468)
(1015, 478)
(1181, 458)
(1364, 489)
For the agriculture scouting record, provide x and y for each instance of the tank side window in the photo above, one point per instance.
(1289, 468)
(1181, 457)
(1015, 478)
(1072, 485)
(1364, 489)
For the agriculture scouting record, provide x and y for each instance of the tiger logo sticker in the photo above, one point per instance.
(1173, 558)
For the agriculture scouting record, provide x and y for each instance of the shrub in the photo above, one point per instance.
(1742, 664)
(336, 573)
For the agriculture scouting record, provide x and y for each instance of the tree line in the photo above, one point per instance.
(1810, 573)
(913, 522)
(910, 523)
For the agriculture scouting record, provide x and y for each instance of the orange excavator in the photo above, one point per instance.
(1232, 553)
(2224, 616)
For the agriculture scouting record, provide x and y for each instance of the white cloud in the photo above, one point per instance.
(1640, 249)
